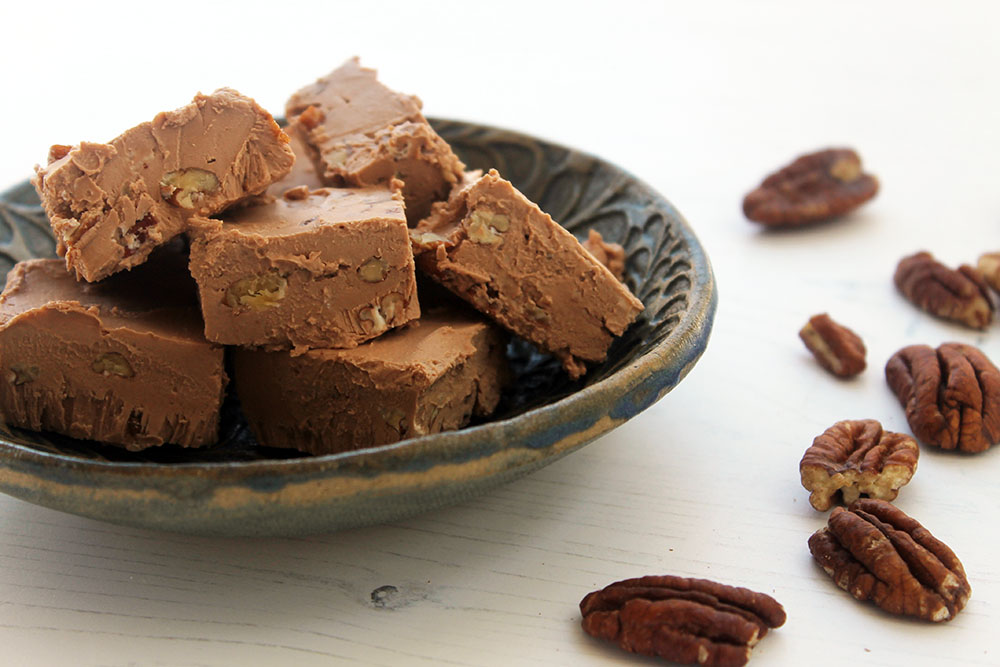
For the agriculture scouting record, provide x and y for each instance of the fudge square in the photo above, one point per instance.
(303, 171)
(491, 246)
(110, 204)
(121, 361)
(361, 133)
(327, 268)
(425, 378)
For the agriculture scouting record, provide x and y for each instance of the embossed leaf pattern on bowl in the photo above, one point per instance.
(24, 229)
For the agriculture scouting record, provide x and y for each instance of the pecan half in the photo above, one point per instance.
(814, 187)
(680, 619)
(876, 552)
(855, 457)
(961, 296)
(836, 348)
(989, 269)
(951, 395)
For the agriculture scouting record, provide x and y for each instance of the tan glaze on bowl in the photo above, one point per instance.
(238, 488)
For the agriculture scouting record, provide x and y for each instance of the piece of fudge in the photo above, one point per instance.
(327, 268)
(500, 252)
(121, 361)
(611, 255)
(303, 171)
(111, 204)
(424, 378)
(361, 133)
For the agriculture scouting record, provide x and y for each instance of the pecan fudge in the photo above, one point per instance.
(611, 255)
(361, 133)
(500, 252)
(121, 361)
(327, 268)
(428, 377)
(111, 204)
(303, 171)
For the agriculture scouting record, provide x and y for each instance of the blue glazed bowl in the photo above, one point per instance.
(239, 488)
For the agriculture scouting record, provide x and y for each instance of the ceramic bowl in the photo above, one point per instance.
(239, 488)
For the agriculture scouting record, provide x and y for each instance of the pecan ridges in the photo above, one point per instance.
(876, 552)
(958, 295)
(814, 187)
(951, 395)
(836, 348)
(681, 619)
(855, 457)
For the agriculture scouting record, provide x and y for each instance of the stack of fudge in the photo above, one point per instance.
(298, 250)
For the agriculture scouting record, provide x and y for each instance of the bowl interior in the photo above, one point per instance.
(578, 190)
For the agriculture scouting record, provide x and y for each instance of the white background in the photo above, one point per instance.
(699, 99)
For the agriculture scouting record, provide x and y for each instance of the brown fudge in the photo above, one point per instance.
(303, 171)
(611, 255)
(111, 204)
(328, 268)
(121, 361)
(428, 377)
(361, 133)
(501, 253)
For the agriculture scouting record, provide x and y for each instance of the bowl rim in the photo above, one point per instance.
(683, 344)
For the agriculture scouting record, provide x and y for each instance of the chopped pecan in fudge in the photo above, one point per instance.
(359, 132)
(428, 377)
(121, 361)
(111, 204)
(327, 268)
(497, 250)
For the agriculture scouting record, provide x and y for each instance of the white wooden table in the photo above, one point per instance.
(701, 102)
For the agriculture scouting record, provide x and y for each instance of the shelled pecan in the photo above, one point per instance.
(814, 187)
(951, 395)
(836, 348)
(693, 621)
(959, 295)
(855, 457)
(989, 269)
(876, 552)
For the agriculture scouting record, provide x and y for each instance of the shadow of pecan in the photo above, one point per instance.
(855, 457)
(951, 395)
(837, 349)
(958, 295)
(814, 187)
(876, 552)
(693, 621)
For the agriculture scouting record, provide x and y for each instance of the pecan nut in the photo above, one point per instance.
(951, 395)
(855, 457)
(876, 552)
(188, 188)
(836, 348)
(112, 363)
(685, 620)
(958, 295)
(989, 269)
(814, 187)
